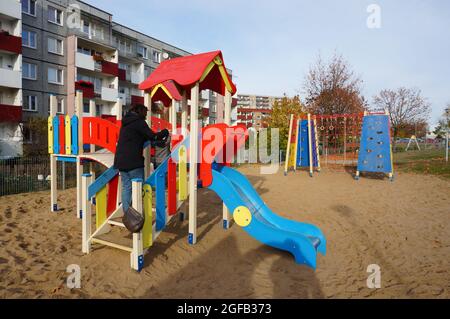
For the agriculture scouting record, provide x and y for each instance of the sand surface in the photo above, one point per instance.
(403, 226)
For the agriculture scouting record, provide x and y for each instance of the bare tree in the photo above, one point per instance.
(406, 107)
(333, 88)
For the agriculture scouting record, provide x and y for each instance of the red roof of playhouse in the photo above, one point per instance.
(165, 92)
(207, 68)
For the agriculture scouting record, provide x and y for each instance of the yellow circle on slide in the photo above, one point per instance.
(242, 216)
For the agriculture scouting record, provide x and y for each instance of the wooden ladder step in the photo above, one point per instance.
(111, 244)
(116, 223)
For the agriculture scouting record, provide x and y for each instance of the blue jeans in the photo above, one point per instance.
(127, 177)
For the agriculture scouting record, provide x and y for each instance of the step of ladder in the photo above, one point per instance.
(111, 244)
(116, 223)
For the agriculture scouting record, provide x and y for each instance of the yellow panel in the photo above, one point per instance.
(242, 216)
(292, 156)
(148, 225)
(68, 135)
(50, 135)
(224, 74)
(100, 207)
(182, 173)
(207, 70)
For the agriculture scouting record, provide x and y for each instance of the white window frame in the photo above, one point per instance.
(29, 7)
(30, 65)
(57, 70)
(26, 107)
(60, 104)
(28, 37)
(88, 33)
(158, 54)
(144, 50)
(56, 40)
(56, 16)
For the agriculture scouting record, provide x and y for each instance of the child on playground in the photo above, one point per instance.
(162, 148)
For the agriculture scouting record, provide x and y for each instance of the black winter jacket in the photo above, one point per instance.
(133, 134)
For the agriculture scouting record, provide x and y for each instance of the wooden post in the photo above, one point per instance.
(288, 147)
(184, 108)
(317, 144)
(87, 215)
(79, 114)
(53, 164)
(119, 110)
(296, 133)
(192, 239)
(173, 115)
(227, 120)
(137, 256)
(147, 155)
(310, 146)
(92, 113)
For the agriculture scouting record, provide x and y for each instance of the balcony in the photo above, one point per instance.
(110, 68)
(126, 99)
(10, 113)
(85, 61)
(135, 99)
(137, 78)
(10, 78)
(11, 8)
(122, 75)
(109, 95)
(10, 43)
(86, 87)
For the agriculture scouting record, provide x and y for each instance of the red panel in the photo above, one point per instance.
(62, 135)
(100, 132)
(137, 100)
(10, 43)
(10, 113)
(87, 88)
(110, 68)
(172, 187)
(112, 195)
(122, 75)
(111, 118)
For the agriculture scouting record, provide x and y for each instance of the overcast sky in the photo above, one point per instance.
(270, 45)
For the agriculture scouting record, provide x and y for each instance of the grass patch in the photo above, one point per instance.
(423, 162)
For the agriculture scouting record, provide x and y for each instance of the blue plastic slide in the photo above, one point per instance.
(300, 239)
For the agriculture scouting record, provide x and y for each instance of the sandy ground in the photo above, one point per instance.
(404, 227)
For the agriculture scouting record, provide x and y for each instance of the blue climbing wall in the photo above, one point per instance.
(375, 147)
(303, 151)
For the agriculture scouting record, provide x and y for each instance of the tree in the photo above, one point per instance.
(443, 124)
(333, 88)
(280, 116)
(35, 130)
(406, 107)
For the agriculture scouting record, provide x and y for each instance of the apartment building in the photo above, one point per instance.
(10, 78)
(253, 110)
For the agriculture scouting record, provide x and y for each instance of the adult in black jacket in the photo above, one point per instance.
(129, 159)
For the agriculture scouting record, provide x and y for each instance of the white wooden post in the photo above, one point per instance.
(147, 156)
(79, 113)
(92, 113)
(193, 155)
(288, 148)
(53, 164)
(119, 110)
(137, 256)
(87, 214)
(310, 146)
(173, 112)
(227, 120)
(184, 108)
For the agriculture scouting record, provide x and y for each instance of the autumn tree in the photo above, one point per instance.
(407, 107)
(333, 88)
(443, 124)
(280, 116)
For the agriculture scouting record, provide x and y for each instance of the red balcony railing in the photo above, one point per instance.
(86, 87)
(10, 43)
(110, 68)
(122, 75)
(137, 100)
(10, 113)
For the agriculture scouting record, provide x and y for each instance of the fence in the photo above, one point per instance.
(31, 174)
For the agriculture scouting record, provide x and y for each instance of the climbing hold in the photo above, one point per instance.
(242, 216)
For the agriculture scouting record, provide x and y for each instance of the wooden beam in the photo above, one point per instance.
(193, 165)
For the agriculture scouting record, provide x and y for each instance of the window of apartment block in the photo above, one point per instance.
(29, 39)
(85, 107)
(86, 27)
(55, 16)
(55, 46)
(59, 105)
(142, 52)
(156, 56)
(55, 76)
(29, 7)
(29, 71)
(30, 103)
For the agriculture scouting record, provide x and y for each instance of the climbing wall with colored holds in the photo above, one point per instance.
(303, 145)
(375, 152)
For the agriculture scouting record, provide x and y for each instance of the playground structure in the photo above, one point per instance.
(200, 158)
(302, 148)
(375, 152)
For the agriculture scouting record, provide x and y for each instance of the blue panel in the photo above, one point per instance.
(56, 135)
(101, 181)
(66, 159)
(160, 201)
(375, 148)
(303, 153)
(74, 128)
